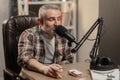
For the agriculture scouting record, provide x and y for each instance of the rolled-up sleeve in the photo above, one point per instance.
(25, 48)
(69, 56)
(66, 51)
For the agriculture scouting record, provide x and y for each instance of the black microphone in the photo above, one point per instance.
(63, 32)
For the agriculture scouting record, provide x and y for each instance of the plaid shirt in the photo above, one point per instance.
(31, 45)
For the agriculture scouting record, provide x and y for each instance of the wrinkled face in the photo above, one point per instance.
(53, 17)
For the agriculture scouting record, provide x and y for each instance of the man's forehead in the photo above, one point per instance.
(53, 12)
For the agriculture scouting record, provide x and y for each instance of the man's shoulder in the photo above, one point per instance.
(32, 29)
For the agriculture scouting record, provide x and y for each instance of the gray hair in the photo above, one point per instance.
(43, 9)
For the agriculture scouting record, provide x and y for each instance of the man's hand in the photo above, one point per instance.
(53, 70)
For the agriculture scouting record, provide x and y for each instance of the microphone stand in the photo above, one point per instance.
(93, 53)
(95, 60)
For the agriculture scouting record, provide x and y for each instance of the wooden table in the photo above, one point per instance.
(81, 66)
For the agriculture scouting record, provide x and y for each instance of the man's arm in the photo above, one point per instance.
(26, 57)
(52, 70)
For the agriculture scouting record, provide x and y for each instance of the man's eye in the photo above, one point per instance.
(50, 19)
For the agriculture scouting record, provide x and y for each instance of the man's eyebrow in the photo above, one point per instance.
(50, 18)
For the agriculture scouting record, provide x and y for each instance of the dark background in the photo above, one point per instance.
(110, 41)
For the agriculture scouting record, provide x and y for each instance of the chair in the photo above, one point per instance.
(12, 28)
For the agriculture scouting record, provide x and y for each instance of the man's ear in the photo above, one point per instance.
(39, 21)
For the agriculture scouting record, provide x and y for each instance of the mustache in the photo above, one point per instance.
(49, 29)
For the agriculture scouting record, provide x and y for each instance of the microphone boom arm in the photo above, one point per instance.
(99, 22)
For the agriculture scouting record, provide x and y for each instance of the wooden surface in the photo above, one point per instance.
(83, 67)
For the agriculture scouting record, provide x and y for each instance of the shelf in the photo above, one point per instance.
(49, 2)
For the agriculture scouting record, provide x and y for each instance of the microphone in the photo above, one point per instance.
(63, 32)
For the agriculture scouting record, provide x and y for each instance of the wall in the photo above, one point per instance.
(110, 41)
(87, 14)
(4, 13)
